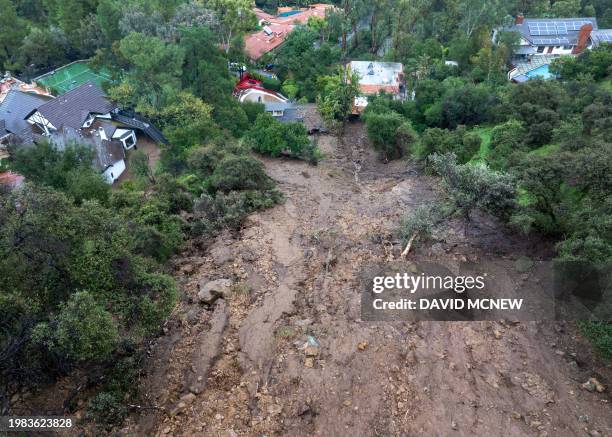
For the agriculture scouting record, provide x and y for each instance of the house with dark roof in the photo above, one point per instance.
(14, 109)
(79, 109)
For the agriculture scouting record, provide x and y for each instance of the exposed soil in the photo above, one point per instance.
(241, 366)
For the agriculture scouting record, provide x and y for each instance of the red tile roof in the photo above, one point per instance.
(259, 43)
(11, 179)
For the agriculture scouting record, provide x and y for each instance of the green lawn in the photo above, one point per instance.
(72, 76)
(485, 136)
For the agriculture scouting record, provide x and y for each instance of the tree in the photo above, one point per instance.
(155, 69)
(84, 330)
(271, 137)
(234, 18)
(240, 173)
(475, 186)
(336, 101)
(13, 32)
(382, 130)
(566, 8)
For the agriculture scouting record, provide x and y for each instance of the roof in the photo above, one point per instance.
(3, 130)
(73, 108)
(378, 76)
(278, 106)
(133, 120)
(601, 36)
(11, 179)
(552, 31)
(291, 115)
(15, 107)
(105, 152)
(278, 27)
(259, 43)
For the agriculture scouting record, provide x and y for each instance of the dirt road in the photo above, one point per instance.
(284, 352)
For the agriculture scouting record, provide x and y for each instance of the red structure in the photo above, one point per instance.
(583, 38)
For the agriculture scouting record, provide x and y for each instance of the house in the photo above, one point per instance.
(82, 115)
(79, 109)
(14, 109)
(108, 153)
(274, 29)
(544, 39)
(377, 77)
(284, 112)
(250, 89)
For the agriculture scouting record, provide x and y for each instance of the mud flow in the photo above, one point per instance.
(268, 339)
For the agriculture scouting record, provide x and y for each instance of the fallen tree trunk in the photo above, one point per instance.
(409, 245)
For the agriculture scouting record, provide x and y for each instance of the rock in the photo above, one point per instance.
(516, 415)
(311, 351)
(15, 398)
(454, 425)
(498, 334)
(208, 348)
(560, 352)
(218, 416)
(221, 255)
(437, 249)
(362, 345)
(166, 430)
(594, 385)
(275, 409)
(347, 403)
(309, 362)
(188, 398)
(213, 290)
(584, 418)
(187, 269)
(192, 316)
(594, 433)
(535, 423)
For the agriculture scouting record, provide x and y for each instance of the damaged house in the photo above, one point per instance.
(83, 115)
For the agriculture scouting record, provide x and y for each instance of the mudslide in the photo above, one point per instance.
(278, 348)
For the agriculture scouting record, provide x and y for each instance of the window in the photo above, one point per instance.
(541, 49)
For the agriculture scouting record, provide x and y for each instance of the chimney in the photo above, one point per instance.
(520, 18)
(583, 38)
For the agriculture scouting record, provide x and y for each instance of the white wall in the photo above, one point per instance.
(112, 173)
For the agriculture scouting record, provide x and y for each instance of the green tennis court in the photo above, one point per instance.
(71, 76)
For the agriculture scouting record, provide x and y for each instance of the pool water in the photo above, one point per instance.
(289, 13)
(541, 72)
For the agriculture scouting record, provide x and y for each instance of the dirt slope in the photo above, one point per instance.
(242, 366)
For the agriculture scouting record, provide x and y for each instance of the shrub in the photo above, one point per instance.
(383, 132)
(240, 173)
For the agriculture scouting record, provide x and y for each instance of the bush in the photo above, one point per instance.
(600, 334)
(383, 132)
(85, 331)
(240, 173)
(212, 214)
(107, 409)
(271, 137)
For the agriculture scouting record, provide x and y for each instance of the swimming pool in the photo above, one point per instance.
(541, 72)
(289, 13)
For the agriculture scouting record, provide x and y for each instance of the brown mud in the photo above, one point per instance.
(242, 366)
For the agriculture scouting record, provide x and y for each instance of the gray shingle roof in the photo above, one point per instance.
(14, 109)
(73, 108)
(552, 31)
